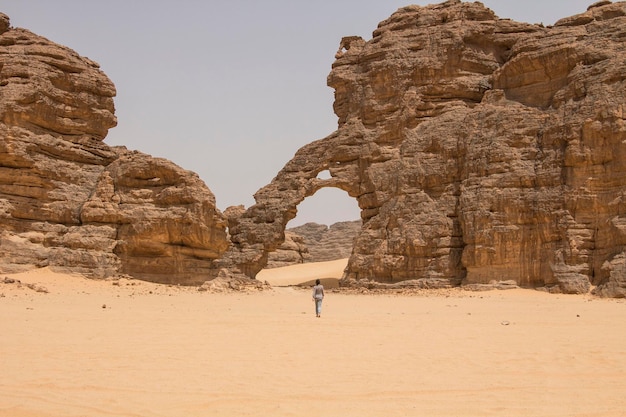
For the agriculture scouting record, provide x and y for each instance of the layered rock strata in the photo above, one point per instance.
(69, 201)
(479, 149)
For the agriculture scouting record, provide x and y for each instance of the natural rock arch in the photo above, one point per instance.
(477, 148)
(261, 228)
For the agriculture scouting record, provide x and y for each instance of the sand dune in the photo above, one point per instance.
(130, 348)
(305, 274)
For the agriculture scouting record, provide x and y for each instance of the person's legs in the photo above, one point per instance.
(318, 307)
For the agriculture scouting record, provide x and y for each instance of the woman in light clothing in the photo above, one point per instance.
(318, 296)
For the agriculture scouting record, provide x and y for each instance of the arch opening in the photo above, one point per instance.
(324, 175)
(318, 241)
(327, 206)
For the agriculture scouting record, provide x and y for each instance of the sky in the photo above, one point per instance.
(229, 89)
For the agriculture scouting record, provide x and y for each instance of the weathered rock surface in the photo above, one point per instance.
(292, 251)
(67, 200)
(478, 149)
(313, 242)
(327, 243)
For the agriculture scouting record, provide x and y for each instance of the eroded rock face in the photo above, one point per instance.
(328, 243)
(479, 149)
(313, 242)
(292, 251)
(68, 200)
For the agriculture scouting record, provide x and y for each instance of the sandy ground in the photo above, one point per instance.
(130, 348)
(305, 274)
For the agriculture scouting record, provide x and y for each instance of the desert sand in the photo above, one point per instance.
(131, 348)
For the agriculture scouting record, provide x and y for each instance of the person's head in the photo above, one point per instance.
(317, 282)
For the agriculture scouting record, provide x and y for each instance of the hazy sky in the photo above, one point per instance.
(229, 89)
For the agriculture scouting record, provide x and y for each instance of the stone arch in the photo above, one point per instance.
(260, 229)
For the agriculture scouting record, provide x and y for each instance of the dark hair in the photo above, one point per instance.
(317, 282)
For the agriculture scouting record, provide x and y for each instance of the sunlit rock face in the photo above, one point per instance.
(477, 148)
(69, 201)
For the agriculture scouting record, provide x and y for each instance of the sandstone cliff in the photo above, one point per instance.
(477, 148)
(67, 200)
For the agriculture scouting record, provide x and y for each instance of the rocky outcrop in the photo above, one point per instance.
(328, 243)
(313, 242)
(292, 251)
(478, 149)
(69, 201)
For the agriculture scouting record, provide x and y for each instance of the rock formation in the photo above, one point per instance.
(478, 149)
(313, 242)
(292, 251)
(69, 201)
(327, 243)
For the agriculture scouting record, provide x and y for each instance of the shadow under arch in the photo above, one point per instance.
(260, 229)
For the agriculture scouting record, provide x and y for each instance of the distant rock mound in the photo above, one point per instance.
(313, 242)
(69, 201)
(478, 149)
(328, 243)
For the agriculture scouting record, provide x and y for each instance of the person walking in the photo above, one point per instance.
(318, 296)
